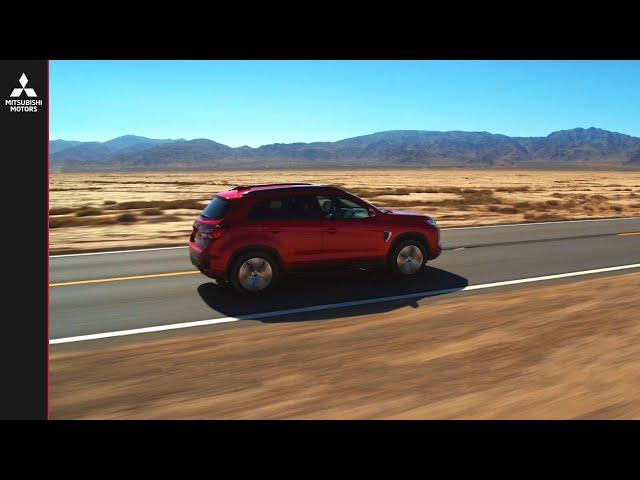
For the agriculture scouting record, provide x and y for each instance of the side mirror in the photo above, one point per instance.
(372, 213)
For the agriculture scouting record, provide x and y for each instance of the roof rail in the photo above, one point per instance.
(245, 187)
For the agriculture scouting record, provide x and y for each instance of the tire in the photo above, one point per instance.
(408, 258)
(253, 272)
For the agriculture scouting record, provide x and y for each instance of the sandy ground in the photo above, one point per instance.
(561, 351)
(456, 197)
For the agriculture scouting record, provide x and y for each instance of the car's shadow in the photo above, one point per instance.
(322, 288)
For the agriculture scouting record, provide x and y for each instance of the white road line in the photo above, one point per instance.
(115, 251)
(450, 228)
(544, 223)
(316, 308)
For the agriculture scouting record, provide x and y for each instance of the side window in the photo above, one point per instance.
(294, 207)
(304, 207)
(341, 208)
(326, 206)
(267, 210)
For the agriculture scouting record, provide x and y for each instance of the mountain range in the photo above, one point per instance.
(577, 147)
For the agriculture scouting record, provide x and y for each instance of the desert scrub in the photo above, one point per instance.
(370, 193)
(127, 218)
(59, 222)
(165, 219)
(467, 197)
(88, 212)
(499, 209)
(60, 211)
(543, 217)
(522, 188)
(191, 204)
(522, 205)
(152, 211)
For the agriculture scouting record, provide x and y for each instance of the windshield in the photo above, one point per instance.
(383, 210)
(216, 209)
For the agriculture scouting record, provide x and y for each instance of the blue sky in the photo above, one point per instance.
(259, 102)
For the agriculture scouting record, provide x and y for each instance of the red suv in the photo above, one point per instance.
(250, 235)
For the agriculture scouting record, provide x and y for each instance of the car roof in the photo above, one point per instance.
(243, 190)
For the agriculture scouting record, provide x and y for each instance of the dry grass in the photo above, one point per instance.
(152, 211)
(496, 355)
(71, 221)
(127, 218)
(192, 204)
(456, 197)
(61, 211)
(88, 212)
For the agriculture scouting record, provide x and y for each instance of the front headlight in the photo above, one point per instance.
(432, 222)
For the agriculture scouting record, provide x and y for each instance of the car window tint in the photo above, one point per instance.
(295, 207)
(305, 207)
(267, 209)
(216, 209)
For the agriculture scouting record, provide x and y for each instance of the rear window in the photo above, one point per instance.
(217, 208)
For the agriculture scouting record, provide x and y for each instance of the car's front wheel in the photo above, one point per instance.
(408, 257)
(253, 272)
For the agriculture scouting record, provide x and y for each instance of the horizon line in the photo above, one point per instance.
(344, 138)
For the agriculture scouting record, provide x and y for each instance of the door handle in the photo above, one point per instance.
(275, 230)
(331, 230)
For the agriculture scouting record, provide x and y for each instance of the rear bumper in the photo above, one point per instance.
(208, 261)
(200, 260)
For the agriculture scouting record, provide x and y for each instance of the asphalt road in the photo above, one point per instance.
(473, 256)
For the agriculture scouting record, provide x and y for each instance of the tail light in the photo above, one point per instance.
(203, 234)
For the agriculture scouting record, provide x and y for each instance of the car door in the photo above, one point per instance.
(351, 234)
(293, 227)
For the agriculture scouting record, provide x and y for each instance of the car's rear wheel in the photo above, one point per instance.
(408, 257)
(253, 272)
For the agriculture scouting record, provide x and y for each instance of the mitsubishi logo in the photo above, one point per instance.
(18, 104)
(17, 92)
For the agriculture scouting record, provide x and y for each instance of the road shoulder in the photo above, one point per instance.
(552, 351)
